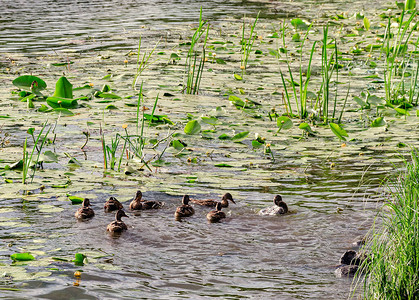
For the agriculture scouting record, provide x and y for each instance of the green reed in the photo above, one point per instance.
(394, 48)
(247, 44)
(300, 98)
(192, 70)
(27, 159)
(142, 63)
(392, 268)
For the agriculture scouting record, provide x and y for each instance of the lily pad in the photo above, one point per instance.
(338, 131)
(22, 257)
(25, 82)
(192, 127)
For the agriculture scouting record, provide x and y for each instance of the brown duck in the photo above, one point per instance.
(279, 208)
(85, 211)
(118, 225)
(139, 204)
(213, 203)
(185, 210)
(216, 215)
(112, 204)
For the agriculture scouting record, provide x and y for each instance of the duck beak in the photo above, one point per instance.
(232, 200)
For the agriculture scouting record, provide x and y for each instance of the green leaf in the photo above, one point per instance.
(56, 102)
(338, 131)
(25, 83)
(224, 137)
(299, 24)
(111, 106)
(220, 61)
(402, 111)
(48, 157)
(107, 95)
(75, 199)
(240, 136)
(283, 122)
(63, 88)
(192, 127)
(210, 120)
(236, 100)
(22, 257)
(223, 165)
(305, 127)
(366, 23)
(256, 144)
(178, 145)
(63, 111)
(237, 77)
(378, 122)
(79, 259)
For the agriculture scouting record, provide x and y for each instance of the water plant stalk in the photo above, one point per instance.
(247, 44)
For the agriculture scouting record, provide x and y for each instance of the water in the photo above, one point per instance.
(332, 191)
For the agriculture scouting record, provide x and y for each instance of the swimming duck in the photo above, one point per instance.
(118, 225)
(213, 203)
(85, 211)
(185, 210)
(112, 204)
(216, 215)
(139, 204)
(279, 208)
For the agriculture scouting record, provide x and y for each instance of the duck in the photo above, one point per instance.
(185, 210)
(139, 204)
(112, 204)
(118, 225)
(213, 203)
(279, 208)
(351, 264)
(216, 215)
(85, 211)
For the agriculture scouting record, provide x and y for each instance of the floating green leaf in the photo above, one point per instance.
(305, 127)
(107, 95)
(299, 24)
(29, 82)
(192, 127)
(79, 259)
(56, 102)
(75, 199)
(338, 131)
(283, 122)
(223, 165)
(63, 88)
(366, 23)
(237, 77)
(178, 145)
(22, 257)
(240, 136)
(378, 122)
(63, 111)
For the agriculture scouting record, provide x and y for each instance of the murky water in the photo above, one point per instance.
(332, 190)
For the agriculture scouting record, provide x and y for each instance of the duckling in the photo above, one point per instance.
(139, 204)
(213, 203)
(185, 210)
(216, 215)
(118, 225)
(84, 212)
(279, 208)
(112, 204)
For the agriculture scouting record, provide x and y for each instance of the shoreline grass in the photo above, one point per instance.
(392, 267)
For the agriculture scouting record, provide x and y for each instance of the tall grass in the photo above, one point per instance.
(192, 70)
(247, 44)
(392, 270)
(142, 63)
(395, 46)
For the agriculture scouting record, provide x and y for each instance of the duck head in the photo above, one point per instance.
(185, 200)
(218, 206)
(120, 213)
(86, 202)
(278, 200)
(227, 196)
(138, 195)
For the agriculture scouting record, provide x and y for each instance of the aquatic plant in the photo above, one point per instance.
(397, 60)
(193, 72)
(28, 159)
(304, 77)
(144, 63)
(247, 44)
(392, 249)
